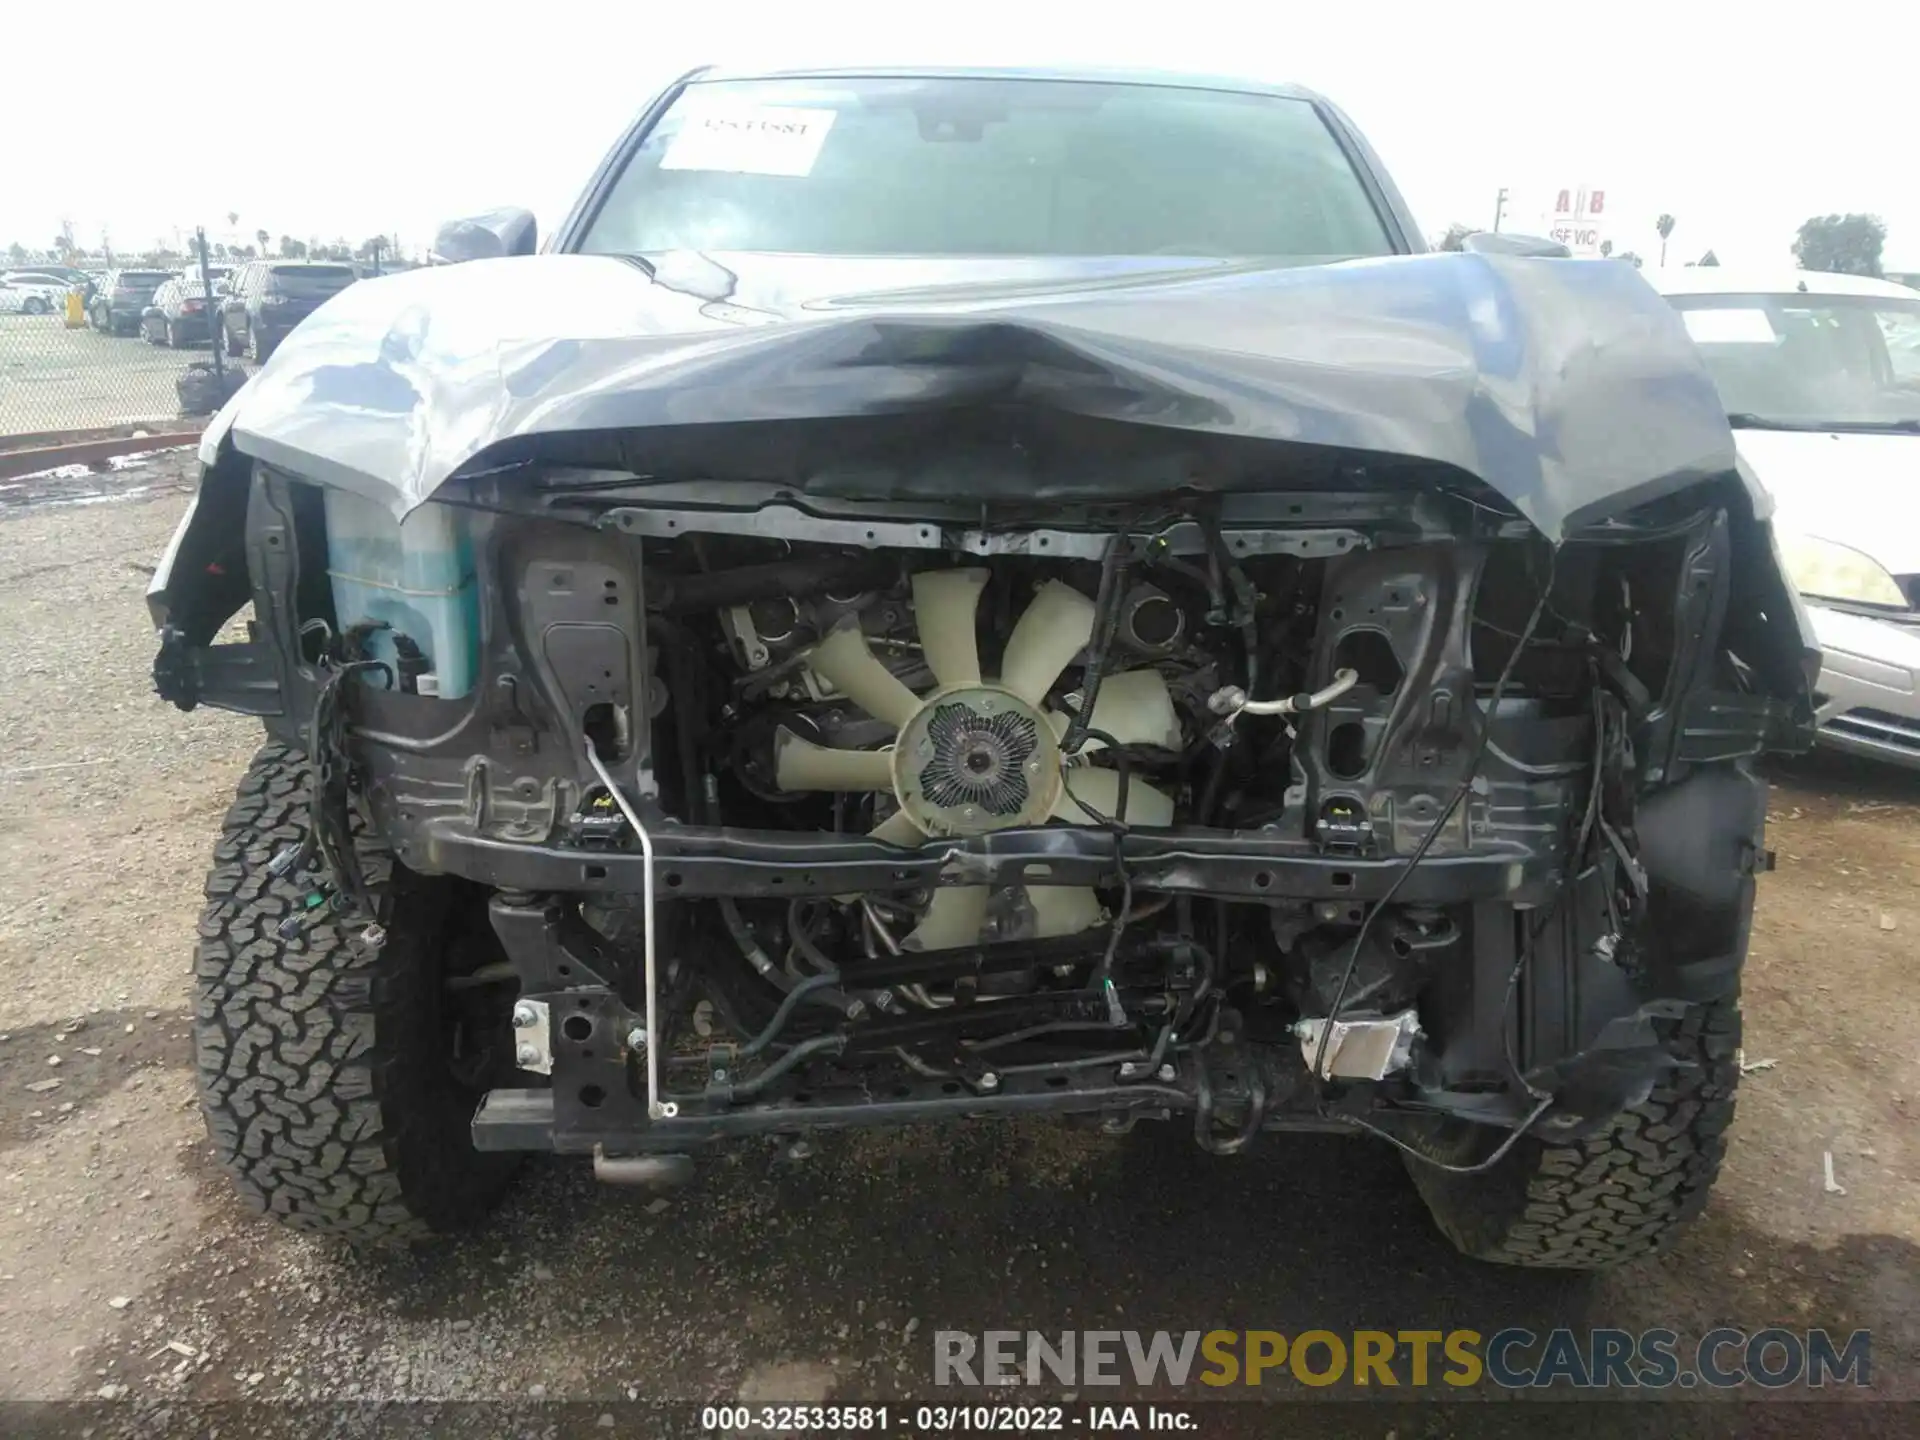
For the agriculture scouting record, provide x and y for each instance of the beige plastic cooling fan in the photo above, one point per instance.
(977, 755)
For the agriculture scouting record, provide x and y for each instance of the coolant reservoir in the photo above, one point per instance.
(414, 574)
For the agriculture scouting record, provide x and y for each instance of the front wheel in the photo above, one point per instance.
(1620, 1195)
(35, 306)
(259, 347)
(235, 349)
(337, 1077)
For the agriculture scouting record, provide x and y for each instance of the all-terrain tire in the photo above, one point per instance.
(326, 1078)
(1620, 1195)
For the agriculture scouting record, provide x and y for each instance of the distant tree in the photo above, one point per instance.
(1665, 226)
(17, 253)
(1630, 258)
(1606, 248)
(1455, 237)
(293, 249)
(233, 218)
(245, 252)
(285, 241)
(1709, 259)
(1841, 244)
(263, 238)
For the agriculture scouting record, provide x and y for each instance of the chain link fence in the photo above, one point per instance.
(93, 348)
(104, 350)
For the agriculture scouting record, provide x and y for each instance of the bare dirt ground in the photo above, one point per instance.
(129, 1272)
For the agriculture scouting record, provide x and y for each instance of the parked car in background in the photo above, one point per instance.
(32, 292)
(71, 274)
(180, 314)
(1820, 375)
(122, 297)
(267, 298)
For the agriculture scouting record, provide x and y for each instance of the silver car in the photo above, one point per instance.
(1820, 375)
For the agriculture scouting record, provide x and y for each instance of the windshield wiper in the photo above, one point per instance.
(1741, 420)
(1880, 427)
(640, 263)
(1744, 420)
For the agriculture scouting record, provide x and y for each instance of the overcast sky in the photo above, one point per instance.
(357, 119)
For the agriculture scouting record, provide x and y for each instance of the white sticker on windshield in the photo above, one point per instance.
(1729, 327)
(750, 140)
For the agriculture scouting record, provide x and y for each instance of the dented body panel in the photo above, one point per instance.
(1569, 390)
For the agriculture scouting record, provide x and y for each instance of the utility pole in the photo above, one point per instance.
(1499, 208)
(216, 326)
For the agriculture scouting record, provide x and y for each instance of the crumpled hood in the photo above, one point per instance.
(1857, 490)
(1568, 387)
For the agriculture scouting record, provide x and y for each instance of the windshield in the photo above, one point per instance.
(141, 279)
(973, 166)
(1820, 362)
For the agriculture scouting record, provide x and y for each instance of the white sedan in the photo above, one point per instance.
(1820, 375)
(27, 293)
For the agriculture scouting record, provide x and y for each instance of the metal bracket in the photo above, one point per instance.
(1369, 1048)
(532, 1037)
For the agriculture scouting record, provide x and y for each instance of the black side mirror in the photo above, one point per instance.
(1500, 242)
(489, 236)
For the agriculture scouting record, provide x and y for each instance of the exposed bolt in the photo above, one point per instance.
(856, 1009)
(524, 1018)
(637, 1038)
(720, 1077)
(989, 1081)
(800, 1150)
(527, 1056)
(1165, 1072)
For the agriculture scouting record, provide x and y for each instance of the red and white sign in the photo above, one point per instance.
(1578, 219)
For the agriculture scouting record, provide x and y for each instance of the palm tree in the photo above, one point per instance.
(1665, 226)
(262, 237)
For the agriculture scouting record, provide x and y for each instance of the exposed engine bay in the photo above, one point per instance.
(1163, 811)
(877, 694)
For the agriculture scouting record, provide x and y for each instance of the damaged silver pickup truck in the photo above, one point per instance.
(960, 596)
